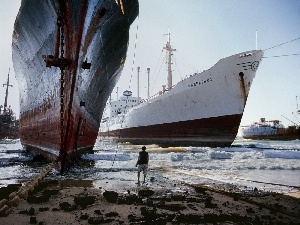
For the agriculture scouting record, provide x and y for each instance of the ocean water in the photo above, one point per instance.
(267, 165)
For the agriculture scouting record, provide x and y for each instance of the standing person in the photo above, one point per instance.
(142, 163)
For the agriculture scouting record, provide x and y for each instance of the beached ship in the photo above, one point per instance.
(204, 109)
(68, 56)
(271, 130)
(9, 125)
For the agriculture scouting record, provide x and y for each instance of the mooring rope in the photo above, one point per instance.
(15, 197)
(278, 56)
(129, 86)
(134, 53)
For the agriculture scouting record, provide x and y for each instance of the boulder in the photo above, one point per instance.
(84, 201)
(111, 196)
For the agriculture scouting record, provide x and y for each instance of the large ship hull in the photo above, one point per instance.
(61, 103)
(202, 110)
(256, 132)
(294, 135)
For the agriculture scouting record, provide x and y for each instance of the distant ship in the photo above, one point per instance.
(68, 56)
(204, 109)
(271, 130)
(9, 125)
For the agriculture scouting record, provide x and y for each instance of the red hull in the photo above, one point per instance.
(66, 70)
(212, 132)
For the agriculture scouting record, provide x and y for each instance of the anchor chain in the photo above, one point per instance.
(61, 62)
(62, 82)
(62, 152)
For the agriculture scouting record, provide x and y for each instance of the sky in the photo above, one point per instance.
(202, 32)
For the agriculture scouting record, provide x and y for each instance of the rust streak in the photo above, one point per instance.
(243, 87)
(77, 37)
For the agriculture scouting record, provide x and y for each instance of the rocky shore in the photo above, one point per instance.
(57, 202)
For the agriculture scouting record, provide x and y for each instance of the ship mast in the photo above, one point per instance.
(6, 93)
(169, 50)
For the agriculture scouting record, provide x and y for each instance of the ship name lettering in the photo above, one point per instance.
(197, 83)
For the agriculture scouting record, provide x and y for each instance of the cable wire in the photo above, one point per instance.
(129, 86)
(282, 44)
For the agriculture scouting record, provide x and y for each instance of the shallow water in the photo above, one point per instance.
(267, 165)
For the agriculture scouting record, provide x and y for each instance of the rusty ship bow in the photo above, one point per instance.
(68, 56)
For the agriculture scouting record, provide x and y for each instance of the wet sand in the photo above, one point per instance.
(157, 202)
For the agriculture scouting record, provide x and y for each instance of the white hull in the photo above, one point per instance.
(200, 105)
(273, 130)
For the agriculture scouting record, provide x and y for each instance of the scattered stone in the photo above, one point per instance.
(149, 202)
(43, 209)
(109, 221)
(193, 199)
(178, 198)
(23, 212)
(112, 214)
(191, 206)
(226, 203)
(235, 198)
(209, 204)
(129, 199)
(200, 190)
(84, 201)
(145, 193)
(111, 196)
(38, 199)
(148, 213)
(250, 210)
(64, 205)
(96, 220)
(135, 219)
(98, 212)
(33, 220)
(190, 218)
(172, 207)
(67, 207)
(84, 217)
(31, 211)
